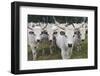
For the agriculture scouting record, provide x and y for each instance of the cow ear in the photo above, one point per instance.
(66, 25)
(33, 26)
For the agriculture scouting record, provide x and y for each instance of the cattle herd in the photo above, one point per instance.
(64, 35)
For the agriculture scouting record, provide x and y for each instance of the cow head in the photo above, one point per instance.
(36, 31)
(52, 31)
(69, 33)
(82, 32)
(70, 36)
(82, 29)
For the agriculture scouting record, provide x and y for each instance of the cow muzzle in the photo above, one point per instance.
(82, 39)
(70, 45)
(38, 40)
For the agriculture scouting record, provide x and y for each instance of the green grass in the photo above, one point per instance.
(83, 53)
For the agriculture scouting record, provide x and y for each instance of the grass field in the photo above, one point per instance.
(83, 53)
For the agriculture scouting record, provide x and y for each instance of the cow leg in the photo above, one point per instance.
(43, 52)
(70, 52)
(65, 54)
(79, 47)
(62, 54)
(51, 52)
(34, 54)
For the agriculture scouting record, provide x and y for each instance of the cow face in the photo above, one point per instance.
(37, 33)
(50, 35)
(82, 29)
(36, 30)
(70, 35)
(52, 31)
(82, 33)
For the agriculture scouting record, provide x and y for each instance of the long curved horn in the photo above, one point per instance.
(66, 24)
(44, 24)
(84, 19)
(55, 20)
(66, 21)
(56, 23)
(30, 24)
(43, 19)
(73, 25)
(39, 23)
(29, 28)
(60, 27)
(82, 25)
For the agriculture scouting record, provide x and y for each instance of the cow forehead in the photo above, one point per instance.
(54, 27)
(77, 25)
(82, 29)
(70, 27)
(51, 28)
(59, 30)
(37, 29)
(69, 32)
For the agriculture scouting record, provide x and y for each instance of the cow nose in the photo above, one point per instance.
(82, 40)
(86, 31)
(38, 40)
(35, 47)
(69, 45)
(50, 40)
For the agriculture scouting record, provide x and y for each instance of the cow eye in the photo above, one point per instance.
(74, 32)
(32, 25)
(65, 35)
(46, 33)
(31, 32)
(62, 33)
(73, 35)
(42, 32)
(55, 33)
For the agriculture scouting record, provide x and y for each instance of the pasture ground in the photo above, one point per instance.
(83, 53)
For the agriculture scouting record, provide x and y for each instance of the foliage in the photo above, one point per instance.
(60, 19)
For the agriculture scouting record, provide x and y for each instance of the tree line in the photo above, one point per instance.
(60, 19)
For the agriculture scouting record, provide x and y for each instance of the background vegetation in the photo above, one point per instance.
(60, 19)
